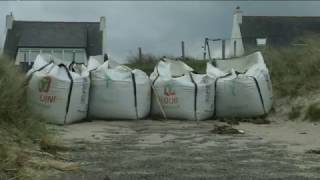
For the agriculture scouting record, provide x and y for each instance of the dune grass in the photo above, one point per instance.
(295, 70)
(18, 126)
(14, 110)
(313, 112)
(146, 64)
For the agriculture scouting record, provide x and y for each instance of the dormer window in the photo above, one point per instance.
(261, 41)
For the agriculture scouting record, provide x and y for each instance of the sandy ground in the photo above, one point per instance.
(297, 136)
(147, 149)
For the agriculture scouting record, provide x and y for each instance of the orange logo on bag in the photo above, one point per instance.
(169, 97)
(168, 91)
(44, 84)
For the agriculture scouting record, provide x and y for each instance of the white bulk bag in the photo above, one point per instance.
(78, 68)
(180, 93)
(243, 86)
(56, 93)
(119, 93)
(94, 62)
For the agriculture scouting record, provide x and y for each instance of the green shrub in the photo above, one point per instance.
(198, 65)
(148, 62)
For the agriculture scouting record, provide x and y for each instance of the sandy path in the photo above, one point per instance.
(185, 150)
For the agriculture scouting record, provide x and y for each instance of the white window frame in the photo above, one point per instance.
(261, 41)
(20, 59)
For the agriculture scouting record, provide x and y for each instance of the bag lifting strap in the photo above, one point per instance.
(195, 96)
(41, 68)
(70, 90)
(135, 94)
(259, 91)
(89, 94)
(152, 90)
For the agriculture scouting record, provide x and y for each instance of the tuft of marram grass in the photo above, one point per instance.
(313, 112)
(295, 112)
(295, 70)
(14, 110)
(19, 127)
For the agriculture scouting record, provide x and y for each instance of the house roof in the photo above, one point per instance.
(54, 35)
(279, 30)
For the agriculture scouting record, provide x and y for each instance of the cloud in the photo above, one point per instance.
(156, 26)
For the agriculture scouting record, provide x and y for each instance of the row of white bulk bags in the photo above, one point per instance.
(238, 87)
(118, 92)
(180, 93)
(57, 93)
(243, 86)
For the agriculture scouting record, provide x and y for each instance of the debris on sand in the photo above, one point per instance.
(313, 151)
(106, 177)
(225, 129)
(47, 144)
(256, 120)
(58, 165)
(51, 146)
(231, 121)
(236, 121)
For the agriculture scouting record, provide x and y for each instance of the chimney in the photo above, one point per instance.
(102, 23)
(9, 21)
(102, 28)
(9, 25)
(238, 15)
(236, 47)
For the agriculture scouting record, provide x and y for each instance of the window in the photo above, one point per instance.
(68, 55)
(261, 41)
(57, 53)
(33, 55)
(299, 42)
(80, 56)
(28, 55)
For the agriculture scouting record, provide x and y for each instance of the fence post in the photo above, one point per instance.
(223, 49)
(235, 48)
(24, 65)
(182, 50)
(73, 56)
(205, 49)
(140, 53)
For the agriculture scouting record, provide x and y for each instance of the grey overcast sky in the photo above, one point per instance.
(156, 26)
